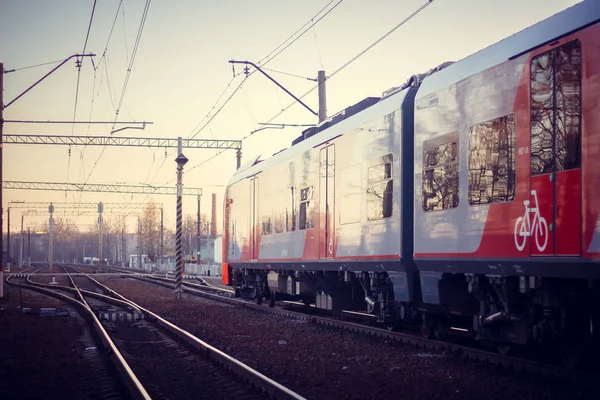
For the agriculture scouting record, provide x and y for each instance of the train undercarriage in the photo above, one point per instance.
(560, 316)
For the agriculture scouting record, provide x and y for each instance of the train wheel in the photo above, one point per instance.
(571, 351)
(428, 326)
(272, 299)
(504, 349)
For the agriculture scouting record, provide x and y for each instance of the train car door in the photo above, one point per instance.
(254, 228)
(555, 197)
(326, 201)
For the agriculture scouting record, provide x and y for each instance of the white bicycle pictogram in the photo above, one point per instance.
(524, 227)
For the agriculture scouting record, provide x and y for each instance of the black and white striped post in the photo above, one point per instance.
(181, 160)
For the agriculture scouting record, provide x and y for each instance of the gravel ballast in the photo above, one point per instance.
(319, 362)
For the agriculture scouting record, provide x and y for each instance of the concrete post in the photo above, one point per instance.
(322, 96)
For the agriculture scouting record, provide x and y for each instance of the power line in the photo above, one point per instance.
(306, 30)
(298, 30)
(128, 75)
(132, 60)
(404, 21)
(220, 108)
(32, 66)
(214, 105)
(289, 74)
(269, 57)
(278, 50)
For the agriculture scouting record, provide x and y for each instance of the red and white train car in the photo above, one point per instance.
(471, 195)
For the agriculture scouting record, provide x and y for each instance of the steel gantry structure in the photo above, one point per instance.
(100, 187)
(64, 140)
(76, 206)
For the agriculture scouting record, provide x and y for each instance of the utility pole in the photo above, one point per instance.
(22, 243)
(122, 246)
(1, 171)
(162, 238)
(7, 241)
(198, 234)
(322, 96)
(100, 208)
(181, 160)
(139, 244)
(51, 239)
(28, 247)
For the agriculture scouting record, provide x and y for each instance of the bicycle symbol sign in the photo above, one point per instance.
(538, 228)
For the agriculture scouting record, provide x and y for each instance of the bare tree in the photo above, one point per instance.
(151, 230)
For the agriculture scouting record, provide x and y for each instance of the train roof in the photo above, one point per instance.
(561, 24)
(385, 106)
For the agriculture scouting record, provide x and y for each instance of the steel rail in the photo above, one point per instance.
(261, 381)
(130, 379)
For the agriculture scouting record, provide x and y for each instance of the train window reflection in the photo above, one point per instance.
(380, 189)
(307, 206)
(290, 211)
(280, 210)
(350, 194)
(556, 110)
(266, 211)
(440, 175)
(492, 161)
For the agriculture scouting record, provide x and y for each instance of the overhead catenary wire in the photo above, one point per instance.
(353, 59)
(220, 109)
(263, 61)
(102, 60)
(278, 50)
(79, 63)
(32, 66)
(126, 82)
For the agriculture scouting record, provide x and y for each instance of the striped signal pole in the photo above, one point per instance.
(51, 237)
(181, 160)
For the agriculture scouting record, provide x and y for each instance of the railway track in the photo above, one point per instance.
(348, 323)
(156, 358)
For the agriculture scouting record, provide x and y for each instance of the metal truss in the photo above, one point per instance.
(101, 187)
(77, 206)
(73, 213)
(121, 141)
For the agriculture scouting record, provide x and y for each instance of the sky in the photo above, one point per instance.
(179, 79)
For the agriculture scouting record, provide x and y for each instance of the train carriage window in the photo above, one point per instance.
(440, 173)
(266, 212)
(380, 188)
(568, 106)
(492, 161)
(350, 194)
(307, 209)
(556, 110)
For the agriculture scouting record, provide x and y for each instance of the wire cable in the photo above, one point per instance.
(296, 32)
(221, 108)
(266, 59)
(126, 82)
(33, 66)
(79, 63)
(353, 59)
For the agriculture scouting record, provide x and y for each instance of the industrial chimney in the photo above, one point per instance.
(213, 226)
